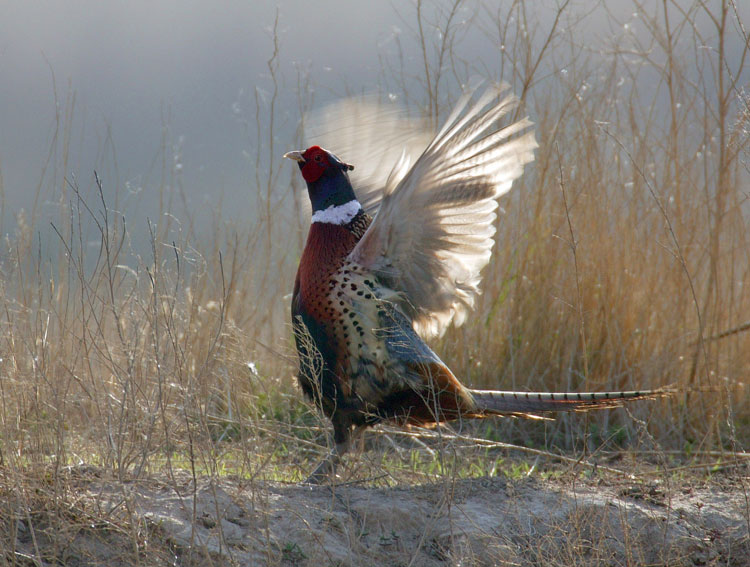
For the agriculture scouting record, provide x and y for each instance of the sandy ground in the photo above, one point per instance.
(465, 522)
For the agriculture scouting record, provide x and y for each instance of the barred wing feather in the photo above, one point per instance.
(434, 230)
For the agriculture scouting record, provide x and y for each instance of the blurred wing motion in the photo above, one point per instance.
(434, 230)
(370, 135)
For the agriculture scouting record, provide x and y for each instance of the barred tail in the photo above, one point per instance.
(496, 402)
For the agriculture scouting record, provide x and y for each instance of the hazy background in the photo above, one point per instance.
(163, 95)
(143, 74)
(130, 77)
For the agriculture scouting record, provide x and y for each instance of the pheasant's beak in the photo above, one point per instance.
(296, 156)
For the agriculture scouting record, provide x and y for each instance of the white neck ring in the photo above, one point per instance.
(338, 214)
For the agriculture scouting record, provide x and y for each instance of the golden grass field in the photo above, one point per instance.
(622, 262)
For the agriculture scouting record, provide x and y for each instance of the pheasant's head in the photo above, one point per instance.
(326, 175)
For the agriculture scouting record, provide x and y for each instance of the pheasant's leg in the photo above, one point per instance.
(343, 437)
(327, 467)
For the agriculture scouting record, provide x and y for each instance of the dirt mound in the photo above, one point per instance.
(464, 522)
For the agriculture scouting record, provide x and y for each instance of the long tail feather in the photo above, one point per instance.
(503, 403)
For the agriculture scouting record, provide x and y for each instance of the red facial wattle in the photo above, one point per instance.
(316, 162)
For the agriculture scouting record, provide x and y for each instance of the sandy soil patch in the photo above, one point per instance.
(466, 522)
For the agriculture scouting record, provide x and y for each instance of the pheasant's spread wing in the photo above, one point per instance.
(370, 135)
(434, 230)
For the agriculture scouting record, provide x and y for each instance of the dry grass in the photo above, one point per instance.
(623, 262)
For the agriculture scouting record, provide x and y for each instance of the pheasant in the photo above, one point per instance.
(375, 281)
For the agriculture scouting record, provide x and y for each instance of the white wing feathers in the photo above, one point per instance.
(434, 230)
(372, 136)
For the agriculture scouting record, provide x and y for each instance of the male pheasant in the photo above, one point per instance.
(369, 289)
